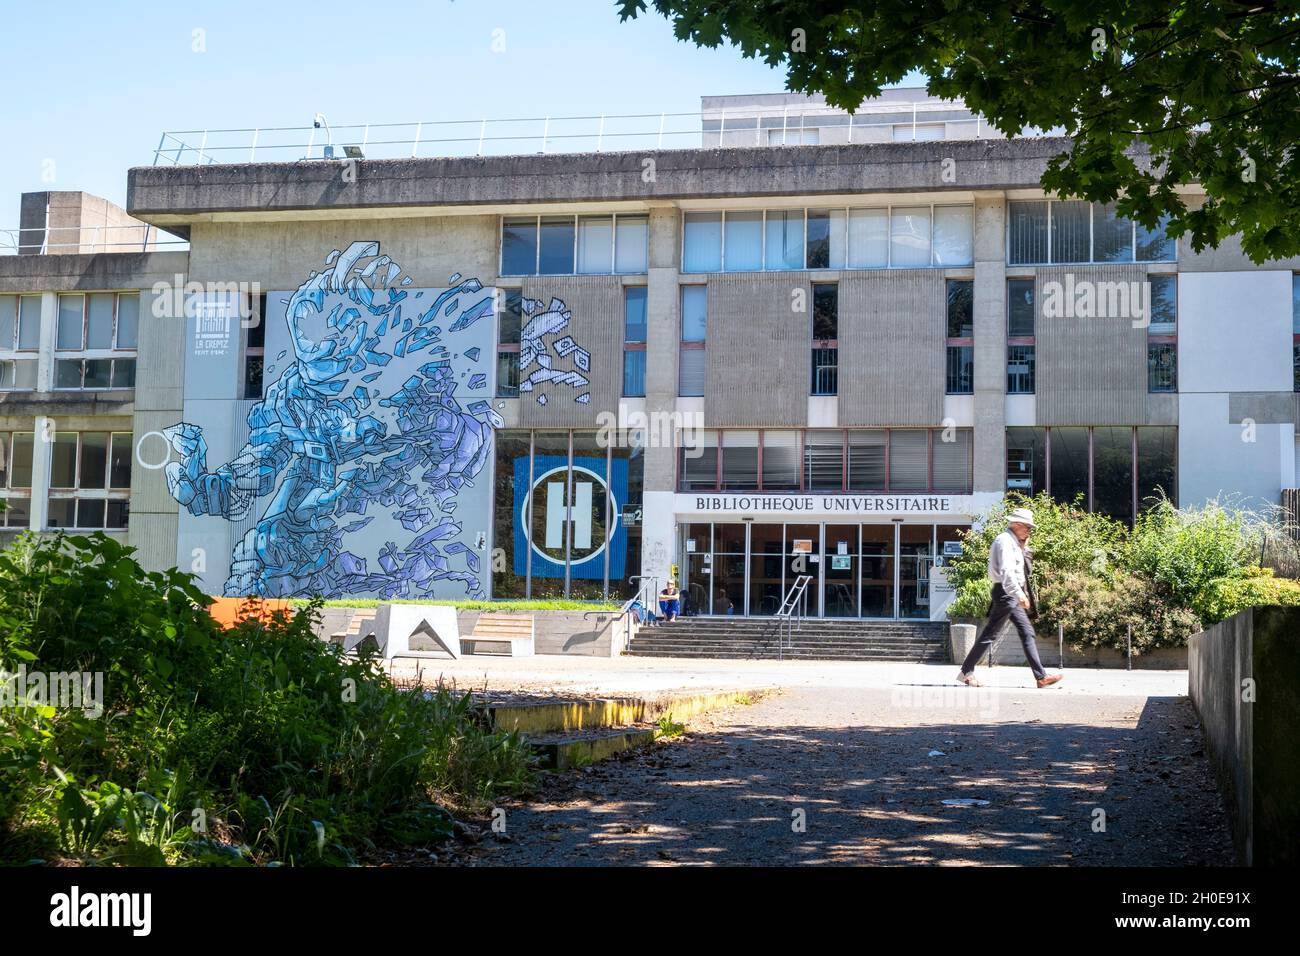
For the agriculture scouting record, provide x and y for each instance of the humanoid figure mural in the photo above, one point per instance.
(375, 425)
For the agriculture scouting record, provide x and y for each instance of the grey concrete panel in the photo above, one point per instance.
(595, 306)
(758, 349)
(891, 361)
(1091, 369)
(1265, 408)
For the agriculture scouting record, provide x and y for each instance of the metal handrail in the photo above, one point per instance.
(729, 126)
(791, 607)
(89, 239)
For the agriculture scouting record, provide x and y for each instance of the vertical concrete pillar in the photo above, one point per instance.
(663, 334)
(42, 453)
(49, 339)
(990, 343)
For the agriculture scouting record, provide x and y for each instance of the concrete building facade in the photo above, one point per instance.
(738, 364)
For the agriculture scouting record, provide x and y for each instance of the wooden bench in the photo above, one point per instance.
(502, 635)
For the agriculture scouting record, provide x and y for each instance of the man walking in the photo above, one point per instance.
(1011, 571)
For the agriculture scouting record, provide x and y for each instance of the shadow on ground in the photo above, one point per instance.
(735, 789)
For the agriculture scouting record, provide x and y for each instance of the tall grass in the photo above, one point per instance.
(259, 744)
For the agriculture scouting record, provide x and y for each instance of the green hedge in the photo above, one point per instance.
(1175, 572)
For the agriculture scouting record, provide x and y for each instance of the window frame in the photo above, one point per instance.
(577, 219)
(846, 212)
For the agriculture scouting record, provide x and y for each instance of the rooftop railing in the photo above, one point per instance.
(798, 124)
(84, 240)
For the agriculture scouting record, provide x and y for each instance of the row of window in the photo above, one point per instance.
(888, 237)
(1051, 232)
(827, 460)
(89, 483)
(1113, 469)
(102, 326)
(573, 245)
(1039, 232)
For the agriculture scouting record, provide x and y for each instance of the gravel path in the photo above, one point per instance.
(855, 765)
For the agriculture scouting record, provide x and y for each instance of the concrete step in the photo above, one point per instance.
(571, 715)
(790, 654)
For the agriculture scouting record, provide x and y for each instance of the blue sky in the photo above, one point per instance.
(91, 85)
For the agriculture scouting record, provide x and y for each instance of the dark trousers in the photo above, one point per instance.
(1004, 609)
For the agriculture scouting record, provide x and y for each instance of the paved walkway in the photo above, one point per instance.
(647, 675)
(864, 756)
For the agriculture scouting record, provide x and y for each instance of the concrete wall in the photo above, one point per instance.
(69, 223)
(1234, 359)
(891, 352)
(758, 350)
(597, 308)
(1241, 674)
(1091, 370)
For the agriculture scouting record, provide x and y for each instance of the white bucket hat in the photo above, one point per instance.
(1021, 516)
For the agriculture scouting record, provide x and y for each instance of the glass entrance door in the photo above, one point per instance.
(915, 558)
(867, 570)
(840, 565)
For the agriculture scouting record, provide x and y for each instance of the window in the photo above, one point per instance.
(103, 327)
(960, 319)
(834, 238)
(699, 461)
(20, 332)
(16, 453)
(255, 352)
(574, 245)
(960, 379)
(1162, 340)
(1026, 460)
(634, 339)
(1162, 367)
(739, 460)
(825, 338)
(90, 480)
(1020, 370)
(823, 459)
(1020, 336)
(1116, 470)
(827, 460)
(1041, 232)
(780, 460)
(510, 324)
(953, 461)
(690, 362)
(1020, 308)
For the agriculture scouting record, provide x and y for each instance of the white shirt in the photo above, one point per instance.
(1007, 565)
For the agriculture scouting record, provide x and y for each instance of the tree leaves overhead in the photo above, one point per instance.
(1209, 88)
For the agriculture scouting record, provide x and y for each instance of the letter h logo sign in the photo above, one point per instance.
(556, 514)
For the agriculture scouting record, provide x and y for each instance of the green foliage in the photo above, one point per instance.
(1224, 597)
(1207, 87)
(254, 745)
(1173, 573)
(667, 727)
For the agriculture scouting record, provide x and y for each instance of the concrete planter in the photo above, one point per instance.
(963, 632)
(603, 634)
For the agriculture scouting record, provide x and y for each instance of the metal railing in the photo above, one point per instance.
(647, 593)
(791, 610)
(796, 124)
(48, 240)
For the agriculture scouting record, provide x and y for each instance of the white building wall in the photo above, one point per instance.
(1234, 336)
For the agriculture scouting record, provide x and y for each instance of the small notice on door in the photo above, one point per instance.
(842, 548)
(802, 546)
(840, 562)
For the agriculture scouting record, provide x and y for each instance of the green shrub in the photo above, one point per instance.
(1066, 539)
(253, 745)
(1098, 612)
(1224, 597)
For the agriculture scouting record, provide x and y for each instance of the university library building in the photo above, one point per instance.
(805, 343)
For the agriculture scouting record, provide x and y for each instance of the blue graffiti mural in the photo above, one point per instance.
(360, 441)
